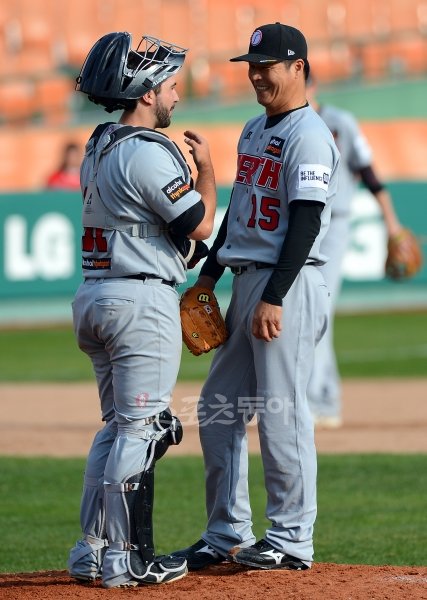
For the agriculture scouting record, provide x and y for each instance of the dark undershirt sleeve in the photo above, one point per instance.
(188, 220)
(211, 267)
(303, 228)
(370, 180)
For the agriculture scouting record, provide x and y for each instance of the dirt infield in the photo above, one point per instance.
(230, 582)
(387, 415)
(379, 416)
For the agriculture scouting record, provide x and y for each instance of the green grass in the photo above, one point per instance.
(368, 345)
(371, 508)
(382, 345)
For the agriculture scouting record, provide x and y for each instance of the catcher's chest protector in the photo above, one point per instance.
(95, 213)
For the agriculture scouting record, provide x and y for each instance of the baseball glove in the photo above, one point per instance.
(203, 327)
(404, 256)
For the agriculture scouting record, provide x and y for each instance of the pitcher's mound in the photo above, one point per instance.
(231, 582)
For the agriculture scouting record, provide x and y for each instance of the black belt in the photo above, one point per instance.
(257, 265)
(144, 277)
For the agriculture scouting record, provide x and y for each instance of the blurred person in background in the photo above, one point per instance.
(324, 390)
(67, 175)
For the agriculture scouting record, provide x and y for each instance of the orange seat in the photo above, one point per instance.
(16, 100)
(409, 55)
(52, 97)
(332, 62)
(314, 20)
(375, 60)
(404, 15)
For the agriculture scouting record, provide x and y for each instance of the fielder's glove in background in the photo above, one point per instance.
(404, 256)
(203, 327)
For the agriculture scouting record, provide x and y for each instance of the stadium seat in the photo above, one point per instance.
(16, 100)
(332, 62)
(404, 15)
(375, 59)
(52, 97)
(314, 20)
(408, 55)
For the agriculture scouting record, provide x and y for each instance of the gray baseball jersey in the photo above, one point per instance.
(355, 153)
(277, 166)
(127, 209)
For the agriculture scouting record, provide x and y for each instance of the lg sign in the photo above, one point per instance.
(44, 252)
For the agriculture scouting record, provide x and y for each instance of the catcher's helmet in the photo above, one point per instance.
(113, 73)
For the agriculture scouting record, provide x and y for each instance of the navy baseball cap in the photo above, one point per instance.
(275, 42)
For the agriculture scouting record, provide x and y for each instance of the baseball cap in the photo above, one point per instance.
(275, 42)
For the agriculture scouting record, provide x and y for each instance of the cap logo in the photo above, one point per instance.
(291, 52)
(256, 38)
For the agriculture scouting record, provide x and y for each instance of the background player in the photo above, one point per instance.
(324, 390)
(139, 203)
(270, 237)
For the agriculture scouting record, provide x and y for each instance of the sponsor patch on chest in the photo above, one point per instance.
(275, 147)
(313, 176)
(176, 189)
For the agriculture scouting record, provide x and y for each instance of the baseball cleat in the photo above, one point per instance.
(263, 555)
(163, 569)
(199, 556)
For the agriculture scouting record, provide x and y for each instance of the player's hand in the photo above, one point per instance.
(199, 149)
(267, 321)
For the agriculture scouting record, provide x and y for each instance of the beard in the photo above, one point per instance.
(163, 117)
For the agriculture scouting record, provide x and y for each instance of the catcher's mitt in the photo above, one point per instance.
(404, 256)
(203, 327)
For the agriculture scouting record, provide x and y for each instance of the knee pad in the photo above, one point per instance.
(169, 432)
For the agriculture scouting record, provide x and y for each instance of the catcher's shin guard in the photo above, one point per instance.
(142, 564)
(138, 497)
(142, 517)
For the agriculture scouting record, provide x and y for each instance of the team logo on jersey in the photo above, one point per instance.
(92, 264)
(176, 189)
(248, 135)
(316, 176)
(275, 147)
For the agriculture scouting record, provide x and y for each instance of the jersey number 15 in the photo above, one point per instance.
(269, 209)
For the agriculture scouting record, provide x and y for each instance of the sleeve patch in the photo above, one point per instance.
(176, 189)
(313, 176)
